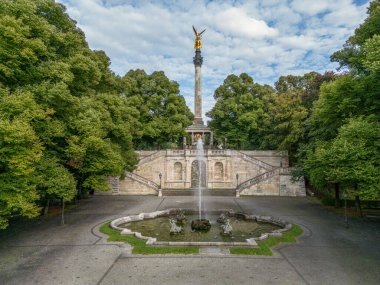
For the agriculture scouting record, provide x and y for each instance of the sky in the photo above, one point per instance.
(265, 39)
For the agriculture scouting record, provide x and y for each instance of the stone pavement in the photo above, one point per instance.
(43, 252)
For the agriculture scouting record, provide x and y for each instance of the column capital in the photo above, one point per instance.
(198, 59)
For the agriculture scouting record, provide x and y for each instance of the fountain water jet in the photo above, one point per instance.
(200, 224)
(200, 158)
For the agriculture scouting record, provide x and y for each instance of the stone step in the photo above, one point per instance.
(194, 192)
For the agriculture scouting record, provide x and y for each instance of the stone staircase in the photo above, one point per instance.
(142, 180)
(259, 178)
(194, 192)
(302, 188)
(114, 182)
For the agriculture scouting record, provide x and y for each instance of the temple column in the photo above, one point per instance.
(198, 59)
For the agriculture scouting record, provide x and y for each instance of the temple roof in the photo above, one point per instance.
(198, 128)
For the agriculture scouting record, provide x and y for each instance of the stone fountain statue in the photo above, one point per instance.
(174, 228)
(227, 228)
(179, 217)
(222, 218)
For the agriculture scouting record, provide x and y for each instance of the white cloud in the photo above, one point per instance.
(311, 8)
(266, 39)
(236, 22)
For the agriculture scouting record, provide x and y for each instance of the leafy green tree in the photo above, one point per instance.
(344, 120)
(306, 86)
(352, 53)
(292, 107)
(35, 37)
(346, 97)
(54, 87)
(163, 113)
(356, 93)
(241, 112)
(20, 151)
(54, 181)
(289, 116)
(352, 158)
(371, 54)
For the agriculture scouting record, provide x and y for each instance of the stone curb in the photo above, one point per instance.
(251, 242)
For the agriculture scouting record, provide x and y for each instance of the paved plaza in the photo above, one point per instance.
(43, 252)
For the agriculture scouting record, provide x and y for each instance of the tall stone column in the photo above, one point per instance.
(198, 60)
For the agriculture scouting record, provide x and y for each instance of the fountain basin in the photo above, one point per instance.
(127, 226)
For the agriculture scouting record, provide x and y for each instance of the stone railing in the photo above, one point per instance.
(220, 152)
(257, 179)
(151, 157)
(142, 180)
(263, 176)
(253, 160)
(175, 152)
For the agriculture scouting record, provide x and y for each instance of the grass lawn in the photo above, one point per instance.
(139, 245)
(266, 245)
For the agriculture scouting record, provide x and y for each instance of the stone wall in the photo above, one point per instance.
(222, 167)
(131, 187)
(291, 188)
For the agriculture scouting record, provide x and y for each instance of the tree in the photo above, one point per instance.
(371, 54)
(292, 107)
(351, 159)
(352, 53)
(20, 151)
(163, 114)
(241, 112)
(348, 106)
(66, 100)
(54, 181)
(346, 97)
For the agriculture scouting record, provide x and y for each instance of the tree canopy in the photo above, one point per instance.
(328, 123)
(241, 111)
(67, 122)
(163, 114)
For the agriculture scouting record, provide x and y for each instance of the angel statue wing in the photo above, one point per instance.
(198, 43)
(195, 31)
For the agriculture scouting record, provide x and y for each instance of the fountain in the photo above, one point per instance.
(200, 224)
(234, 229)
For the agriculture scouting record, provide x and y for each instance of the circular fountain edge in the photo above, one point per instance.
(251, 242)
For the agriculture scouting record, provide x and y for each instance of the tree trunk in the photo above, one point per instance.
(358, 205)
(46, 208)
(337, 199)
(63, 212)
(79, 192)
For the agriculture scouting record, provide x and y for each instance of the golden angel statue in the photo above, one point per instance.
(198, 37)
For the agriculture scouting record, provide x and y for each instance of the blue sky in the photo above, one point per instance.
(265, 39)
